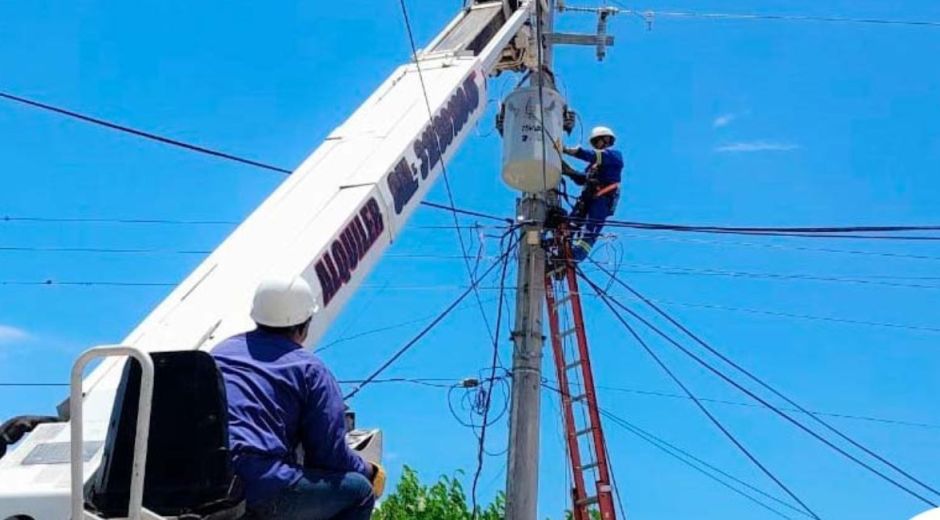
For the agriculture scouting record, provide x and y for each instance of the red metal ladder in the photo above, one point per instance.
(583, 434)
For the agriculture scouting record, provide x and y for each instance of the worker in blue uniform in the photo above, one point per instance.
(280, 398)
(601, 192)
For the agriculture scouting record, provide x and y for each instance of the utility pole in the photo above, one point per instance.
(522, 476)
(522, 480)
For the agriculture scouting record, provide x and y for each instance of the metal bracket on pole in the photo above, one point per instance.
(601, 39)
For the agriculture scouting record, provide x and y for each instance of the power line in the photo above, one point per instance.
(443, 287)
(668, 395)
(447, 188)
(637, 391)
(85, 283)
(613, 480)
(370, 332)
(33, 384)
(146, 251)
(779, 314)
(104, 220)
(407, 346)
(686, 458)
(773, 390)
(452, 209)
(844, 232)
(434, 382)
(758, 231)
(786, 247)
(140, 133)
(791, 18)
(691, 271)
(711, 417)
(783, 231)
(109, 250)
(494, 361)
(754, 396)
(186, 222)
(655, 269)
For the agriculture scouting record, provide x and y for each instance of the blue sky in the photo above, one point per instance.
(737, 123)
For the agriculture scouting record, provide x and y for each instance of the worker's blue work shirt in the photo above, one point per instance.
(609, 164)
(281, 396)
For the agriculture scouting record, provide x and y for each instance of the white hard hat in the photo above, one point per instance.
(283, 302)
(602, 131)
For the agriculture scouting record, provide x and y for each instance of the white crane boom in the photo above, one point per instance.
(330, 221)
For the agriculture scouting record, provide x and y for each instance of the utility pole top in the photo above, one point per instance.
(600, 40)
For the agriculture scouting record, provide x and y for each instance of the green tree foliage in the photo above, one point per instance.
(444, 500)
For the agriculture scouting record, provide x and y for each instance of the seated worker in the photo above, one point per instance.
(281, 397)
(601, 181)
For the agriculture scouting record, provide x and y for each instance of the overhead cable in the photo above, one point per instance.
(691, 271)
(777, 246)
(767, 386)
(711, 417)
(763, 401)
(447, 188)
(434, 382)
(412, 342)
(103, 220)
(86, 283)
(687, 458)
(488, 395)
(140, 133)
(779, 314)
(867, 418)
(850, 232)
(789, 18)
(186, 222)
(779, 231)
(465, 211)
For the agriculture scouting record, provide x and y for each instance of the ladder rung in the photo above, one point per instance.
(563, 301)
(586, 430)
(578, 398)
(572, 365)
(589, 466)
(587, 501)
(568, 332)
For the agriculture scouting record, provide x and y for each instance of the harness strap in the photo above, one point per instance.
(607, 189)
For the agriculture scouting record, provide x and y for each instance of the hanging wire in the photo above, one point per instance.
(444, 175)
(686, 458)
(488, 392)
(761, 400)
(424, 331)
(711, 417)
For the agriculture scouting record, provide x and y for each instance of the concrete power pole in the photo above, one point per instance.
(523, 466)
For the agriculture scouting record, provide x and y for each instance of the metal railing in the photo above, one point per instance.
(135, 509)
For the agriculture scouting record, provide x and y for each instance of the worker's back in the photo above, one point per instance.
(266, 385)
(281, 396)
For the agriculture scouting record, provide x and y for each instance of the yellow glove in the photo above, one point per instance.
(378, 479)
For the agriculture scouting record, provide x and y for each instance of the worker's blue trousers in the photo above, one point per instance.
(596, 211)
(321, 495)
